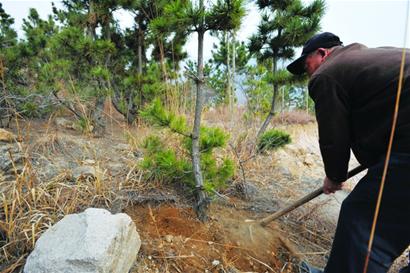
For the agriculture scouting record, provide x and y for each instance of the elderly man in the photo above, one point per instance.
(354, 89)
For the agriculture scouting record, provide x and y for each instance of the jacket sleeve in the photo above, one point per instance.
(332, 114)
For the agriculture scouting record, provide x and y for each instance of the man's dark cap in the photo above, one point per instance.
(321, 40)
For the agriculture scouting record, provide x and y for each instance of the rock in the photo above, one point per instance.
(94, 241)
(247, 190)
(284, 171)
(7, 136)
(89, 162)
(64, 123)
(123, 147)
(117, 205)
(138, 154)
(296, 150)
(232, 269)
(115, 168)
(60, 167)
(259, 199)
(263, 203)
(169, 238)
(83, 172)
(309, 160)
(310, 182)
(7, 162)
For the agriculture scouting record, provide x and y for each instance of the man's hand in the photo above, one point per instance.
(330, 186)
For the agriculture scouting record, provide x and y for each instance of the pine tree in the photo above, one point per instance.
(144, 12)
(89, 15)
(146, 78)
(257, 90)
(224, 15)
(9, 64)
(285, 25)
(8, 36)
(229, 58)
(173, 165)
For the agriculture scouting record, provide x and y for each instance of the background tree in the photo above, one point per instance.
(257, 90)
(9, 63)
(34, 56)
(144, 35)
(229, 57)
(285, 25)
(142, 77)
(88, 15)
(23, 61)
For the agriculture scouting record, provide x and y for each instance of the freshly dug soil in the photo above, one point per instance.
(175, 241)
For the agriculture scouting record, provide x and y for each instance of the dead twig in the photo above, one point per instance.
(262, 263)
(174, 257)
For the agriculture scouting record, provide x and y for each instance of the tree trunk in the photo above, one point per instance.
(131, 112)
(228, 71)
(7, 114)
(91, 21)
(162, 58)
(140, 40)
(97, 114)
(202, 202)
(98, 117)
(272, 108)
(233, 64)
(283, 101)
(282, 110)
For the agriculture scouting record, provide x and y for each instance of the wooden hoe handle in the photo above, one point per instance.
(304, 199)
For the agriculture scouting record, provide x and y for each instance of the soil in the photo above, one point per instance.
(229, 242)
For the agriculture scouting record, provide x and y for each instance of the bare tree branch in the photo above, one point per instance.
(65, 104)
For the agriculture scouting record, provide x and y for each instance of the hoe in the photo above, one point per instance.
(304, 200)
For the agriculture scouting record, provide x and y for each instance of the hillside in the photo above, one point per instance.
(56, 170)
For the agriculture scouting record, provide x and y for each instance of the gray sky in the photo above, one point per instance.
(371, 22)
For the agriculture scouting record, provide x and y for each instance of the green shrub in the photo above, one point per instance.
(273, 139)
(30, 109)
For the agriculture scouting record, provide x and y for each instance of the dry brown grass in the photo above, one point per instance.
(294, 117)
(29, 206)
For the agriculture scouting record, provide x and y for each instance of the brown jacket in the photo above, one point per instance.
(354, 91)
